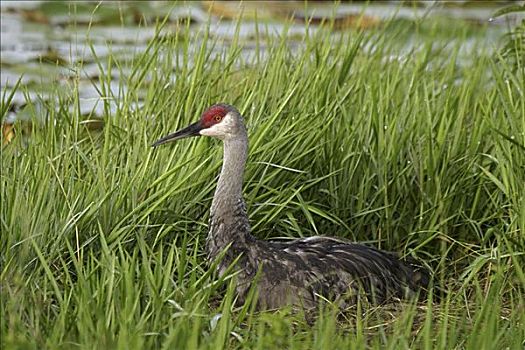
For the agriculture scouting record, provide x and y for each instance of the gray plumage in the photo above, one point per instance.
(299, 272)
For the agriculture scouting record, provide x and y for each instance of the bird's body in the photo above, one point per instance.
(299, 272)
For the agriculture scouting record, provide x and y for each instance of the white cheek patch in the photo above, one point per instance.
(212, 131)
(220, 130)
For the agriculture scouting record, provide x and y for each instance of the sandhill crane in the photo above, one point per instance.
(299, 272)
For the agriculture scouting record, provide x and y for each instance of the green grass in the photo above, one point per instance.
(102, 235)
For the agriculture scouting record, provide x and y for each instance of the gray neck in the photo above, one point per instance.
(228, 218)
(229, 186)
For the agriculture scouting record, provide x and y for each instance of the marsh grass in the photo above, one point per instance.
(351, 135)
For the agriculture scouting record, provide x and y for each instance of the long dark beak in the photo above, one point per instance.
(189, 131)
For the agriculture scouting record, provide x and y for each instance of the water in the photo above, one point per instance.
(46, 46)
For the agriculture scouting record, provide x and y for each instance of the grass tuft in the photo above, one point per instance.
(420, 152)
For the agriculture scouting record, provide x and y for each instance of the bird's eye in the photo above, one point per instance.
(217, 118)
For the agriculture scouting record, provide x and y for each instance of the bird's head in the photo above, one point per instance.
(221, 120)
